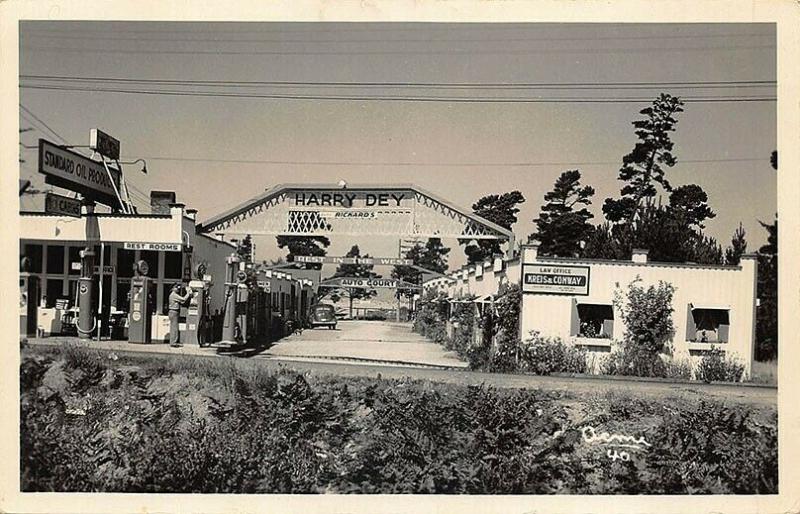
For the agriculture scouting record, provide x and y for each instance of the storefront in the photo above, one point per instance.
(167, 242)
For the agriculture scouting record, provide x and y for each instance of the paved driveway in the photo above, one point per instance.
(373, 340)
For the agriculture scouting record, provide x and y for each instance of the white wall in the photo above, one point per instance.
(733, 287)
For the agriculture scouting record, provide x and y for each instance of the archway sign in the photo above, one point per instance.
(368, 283)
(403, 210)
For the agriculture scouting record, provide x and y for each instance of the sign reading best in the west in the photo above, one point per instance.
(555, 279)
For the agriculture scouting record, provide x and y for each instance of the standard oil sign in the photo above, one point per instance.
(555, 279)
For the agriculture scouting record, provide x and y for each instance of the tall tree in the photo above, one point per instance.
(499, 209)
(767, 287)
(358, 271)
(642, 168)
(562, 229)
(432, 256)
(738, 247)
(315, 246)
(670, 233)
(245, 248)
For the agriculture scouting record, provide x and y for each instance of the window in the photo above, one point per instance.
(74, 260)
(706, 324)
(34, 254)
(592, 320)
(151, 258)
(123, 288)
(55, 286)
(173, 265)
(55, 260)
(125, 260)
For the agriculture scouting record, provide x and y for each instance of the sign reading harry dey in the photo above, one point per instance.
(569, 280)
(77, 173)
(350, 199)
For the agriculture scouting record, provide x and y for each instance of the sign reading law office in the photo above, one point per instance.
(76, 172)
(555, 279)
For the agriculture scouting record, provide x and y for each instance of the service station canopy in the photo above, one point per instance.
(402, 210)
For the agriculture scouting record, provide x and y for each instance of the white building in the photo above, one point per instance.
(573, 299)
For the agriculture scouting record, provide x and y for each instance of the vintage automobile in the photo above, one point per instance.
(323, 315)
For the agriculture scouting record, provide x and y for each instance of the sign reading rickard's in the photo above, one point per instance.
(555, 279)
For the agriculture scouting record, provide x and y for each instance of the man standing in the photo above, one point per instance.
(176, 300)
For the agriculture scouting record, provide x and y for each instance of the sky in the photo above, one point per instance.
(218, 151)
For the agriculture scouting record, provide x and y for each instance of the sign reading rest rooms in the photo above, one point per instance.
(555, 279)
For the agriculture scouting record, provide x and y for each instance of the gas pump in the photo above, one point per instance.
(86, 318)
(198, 315)
(28, 299)
(141, 306)
(229, 331)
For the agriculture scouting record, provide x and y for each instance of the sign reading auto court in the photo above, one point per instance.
(555, 279)
(78, 173)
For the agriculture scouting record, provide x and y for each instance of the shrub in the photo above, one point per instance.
(647, 315)
(283, 432)
(505, 355)
(544, 355)
(678, 369)
(715, 366)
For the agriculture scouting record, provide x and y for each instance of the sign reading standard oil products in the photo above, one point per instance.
(78, 173)
(555, 279)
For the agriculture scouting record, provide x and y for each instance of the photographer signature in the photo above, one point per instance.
(590, 435)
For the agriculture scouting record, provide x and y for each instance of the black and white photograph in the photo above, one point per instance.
(387, 257)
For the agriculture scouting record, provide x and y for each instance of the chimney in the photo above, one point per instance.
(530, 252)
(176, 209)
(160, 201)
(639, 255)
(191, 214)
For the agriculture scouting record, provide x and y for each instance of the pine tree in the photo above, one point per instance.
(642, 167)
(304, 245)
(738, 247)
(499, 209)
(561, 229)
(357, 271)
(431, 256)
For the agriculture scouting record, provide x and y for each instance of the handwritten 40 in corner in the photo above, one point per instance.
(620, 445)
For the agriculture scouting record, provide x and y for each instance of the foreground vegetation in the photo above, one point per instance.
(93, 421)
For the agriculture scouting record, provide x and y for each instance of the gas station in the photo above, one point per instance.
(108, 275)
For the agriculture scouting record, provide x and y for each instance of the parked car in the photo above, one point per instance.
(323, 315)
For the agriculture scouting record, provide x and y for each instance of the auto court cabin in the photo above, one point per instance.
(572, 298)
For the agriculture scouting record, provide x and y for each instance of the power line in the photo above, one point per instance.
(444, 85)
(56, 134)
(219, 94)
(117, 37)
(503, 51)
(426, 164)
(314, 28)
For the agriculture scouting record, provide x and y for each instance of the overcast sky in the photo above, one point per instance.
(216, 152)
